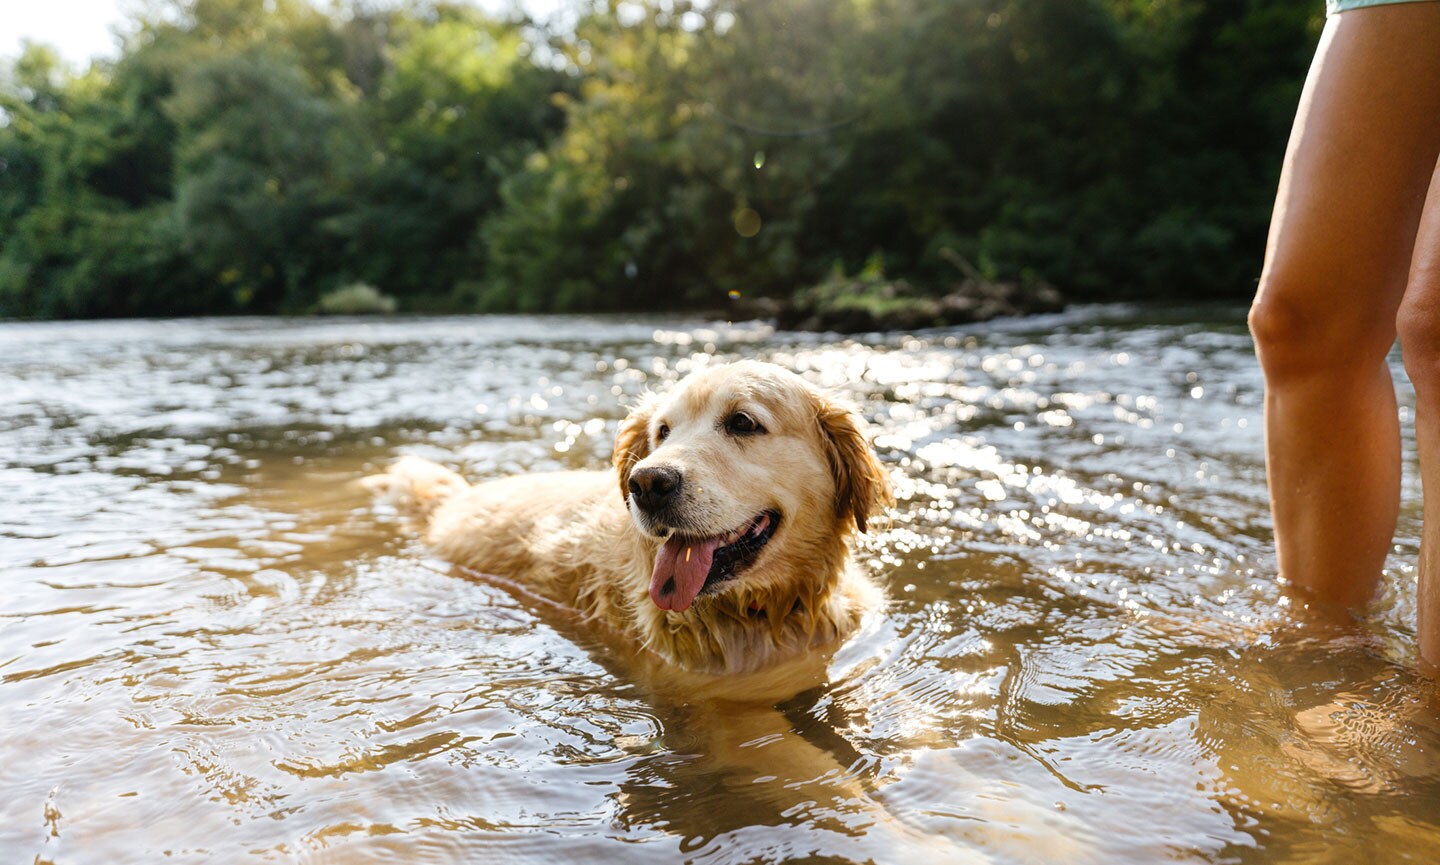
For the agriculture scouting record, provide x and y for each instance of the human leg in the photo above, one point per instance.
(1419, 326)
(1365, 141)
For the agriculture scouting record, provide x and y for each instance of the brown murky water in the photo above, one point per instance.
(212, 649)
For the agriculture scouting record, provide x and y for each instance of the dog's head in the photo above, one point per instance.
(749, 476)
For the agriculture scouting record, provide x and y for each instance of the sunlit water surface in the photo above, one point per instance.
(213, 649)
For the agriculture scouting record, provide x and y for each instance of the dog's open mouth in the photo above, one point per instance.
(687, 567)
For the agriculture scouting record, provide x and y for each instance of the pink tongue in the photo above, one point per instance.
(680, 571)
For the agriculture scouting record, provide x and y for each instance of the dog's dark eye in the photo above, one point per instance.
(662, 433)
(742, 424)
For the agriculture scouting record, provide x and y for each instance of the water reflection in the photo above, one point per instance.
(211, 647)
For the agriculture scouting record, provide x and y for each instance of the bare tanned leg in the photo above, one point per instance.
(1419, 325)
(1365, 141)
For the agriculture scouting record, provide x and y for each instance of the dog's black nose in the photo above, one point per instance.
(655, 487)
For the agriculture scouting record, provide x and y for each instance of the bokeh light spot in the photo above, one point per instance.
(747, 222)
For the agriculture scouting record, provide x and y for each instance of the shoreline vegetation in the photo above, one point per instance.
(836, 164)
(865, 303)
(870, 302)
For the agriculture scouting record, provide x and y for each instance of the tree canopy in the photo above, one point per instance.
(248, 156)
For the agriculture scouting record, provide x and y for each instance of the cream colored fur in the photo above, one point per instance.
(572, 537)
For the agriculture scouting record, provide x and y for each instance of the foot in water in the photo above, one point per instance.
(1373, 739)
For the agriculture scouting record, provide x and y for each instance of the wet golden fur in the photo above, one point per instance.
(571, 537)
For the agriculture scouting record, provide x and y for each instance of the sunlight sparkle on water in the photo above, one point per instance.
(219, 644)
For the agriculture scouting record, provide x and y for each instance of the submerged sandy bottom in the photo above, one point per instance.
(211, 648)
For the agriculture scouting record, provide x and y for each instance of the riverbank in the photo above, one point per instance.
(868, 302)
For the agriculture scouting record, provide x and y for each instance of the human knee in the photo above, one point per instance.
(1279, 326)
(1298, 332)
(1418, 323)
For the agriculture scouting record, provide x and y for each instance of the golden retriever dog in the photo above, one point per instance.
(716, 561)
(721, 542)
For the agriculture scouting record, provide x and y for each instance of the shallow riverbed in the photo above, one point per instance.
(213, 649)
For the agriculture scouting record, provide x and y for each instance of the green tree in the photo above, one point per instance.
(84, 228)
(458, 106)
(256, 148)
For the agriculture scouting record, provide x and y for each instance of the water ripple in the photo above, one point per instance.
(211, 648)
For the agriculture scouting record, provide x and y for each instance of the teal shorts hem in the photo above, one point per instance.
(1334, 7)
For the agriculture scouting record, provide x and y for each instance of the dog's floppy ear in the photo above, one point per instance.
(632, 441)
(862, 486)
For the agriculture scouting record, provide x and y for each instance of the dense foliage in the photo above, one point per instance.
(254, 155)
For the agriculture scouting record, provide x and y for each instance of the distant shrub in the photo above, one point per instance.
(870, 301)
(356, 299)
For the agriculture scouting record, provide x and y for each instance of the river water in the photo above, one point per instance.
(213, 649)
